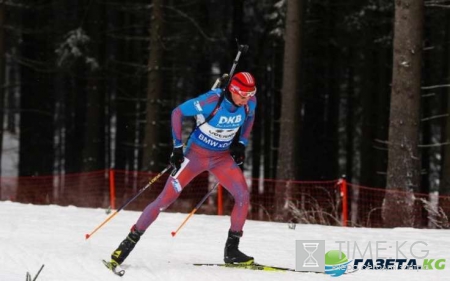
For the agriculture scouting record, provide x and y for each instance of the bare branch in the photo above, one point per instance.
(435, 86)
(434, 144)
(434, 117)
(381, 141)
(437, 1)
(380, 148)
(439, 6)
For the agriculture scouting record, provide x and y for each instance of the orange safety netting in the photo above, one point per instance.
(319, 202)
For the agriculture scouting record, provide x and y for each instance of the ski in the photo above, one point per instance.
(117, 270)
(261, 267)
(252, 266)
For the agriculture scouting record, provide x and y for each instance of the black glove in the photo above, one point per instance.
(177, 157)
(237, 151)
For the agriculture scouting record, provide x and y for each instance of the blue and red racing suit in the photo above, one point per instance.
(208, 150)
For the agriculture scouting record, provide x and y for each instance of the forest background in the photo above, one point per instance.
(354, 88)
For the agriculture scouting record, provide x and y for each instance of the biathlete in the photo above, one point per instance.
(221, 115)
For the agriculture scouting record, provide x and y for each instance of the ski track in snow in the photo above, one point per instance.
(32, 235)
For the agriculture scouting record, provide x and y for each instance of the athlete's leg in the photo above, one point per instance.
(231, 177)
(174, 185)
(172, 189)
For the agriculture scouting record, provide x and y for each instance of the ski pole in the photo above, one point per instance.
(129, 201)
(241, 49)
(195, 209)
(225, 76)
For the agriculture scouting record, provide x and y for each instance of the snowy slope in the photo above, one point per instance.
(52, 235)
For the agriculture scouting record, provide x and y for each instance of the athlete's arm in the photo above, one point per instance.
(202, 104)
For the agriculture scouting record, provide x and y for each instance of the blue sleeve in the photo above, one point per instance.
(203, 104)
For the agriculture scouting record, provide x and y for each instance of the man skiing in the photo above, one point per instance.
(221, 115)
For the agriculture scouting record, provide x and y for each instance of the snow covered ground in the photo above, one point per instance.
(55, 236)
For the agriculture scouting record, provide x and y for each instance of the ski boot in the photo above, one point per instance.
(127, 245)
(232, 253)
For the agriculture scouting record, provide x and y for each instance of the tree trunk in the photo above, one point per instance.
(36, 153)
(444, 185)
(93, 148)
(350, 119)
(123, 153)
(2, 81)
(290, 105)
(154, 91)
(93, 152)
(403, 174)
